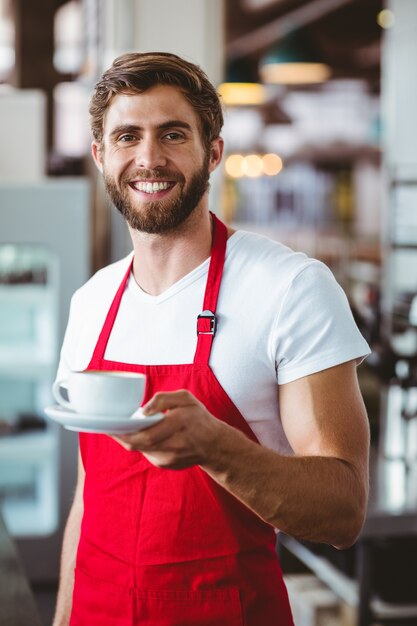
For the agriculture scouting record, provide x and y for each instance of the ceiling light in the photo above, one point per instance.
(241, 94)
(292, 62)
(385, 18)
(241, 87)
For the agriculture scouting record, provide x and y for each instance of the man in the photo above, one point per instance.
(264, 424)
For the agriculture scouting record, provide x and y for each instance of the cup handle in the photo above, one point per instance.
(56, 392)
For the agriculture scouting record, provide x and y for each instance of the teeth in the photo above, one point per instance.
(151, 187)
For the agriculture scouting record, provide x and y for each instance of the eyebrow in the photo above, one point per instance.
(131, 128)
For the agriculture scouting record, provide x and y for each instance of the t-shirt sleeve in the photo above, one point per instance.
(64, 367)
(314, 329)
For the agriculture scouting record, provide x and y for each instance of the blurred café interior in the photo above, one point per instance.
(320, 128)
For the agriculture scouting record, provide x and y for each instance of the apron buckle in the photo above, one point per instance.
(206, 323)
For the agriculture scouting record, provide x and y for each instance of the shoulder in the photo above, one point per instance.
(89, 307)
(253, 255)
(102, 285)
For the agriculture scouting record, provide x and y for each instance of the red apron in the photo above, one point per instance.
(165, 547)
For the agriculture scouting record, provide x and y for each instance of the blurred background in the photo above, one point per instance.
(320, 128)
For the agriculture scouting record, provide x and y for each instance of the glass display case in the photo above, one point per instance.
(44, 257)
(28, 352)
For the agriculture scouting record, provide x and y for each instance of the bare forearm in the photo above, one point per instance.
(320, 493)
(316, 498)
(68, 557)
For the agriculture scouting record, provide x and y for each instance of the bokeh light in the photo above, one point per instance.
(271, 164)
(386, 18)
(233, 165)
(252, 165)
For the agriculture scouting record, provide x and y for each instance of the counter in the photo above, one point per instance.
(17, 604)
(392, 514)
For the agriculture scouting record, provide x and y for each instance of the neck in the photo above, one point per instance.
(161, 260)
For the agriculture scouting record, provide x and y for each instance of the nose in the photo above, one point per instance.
(150, 154)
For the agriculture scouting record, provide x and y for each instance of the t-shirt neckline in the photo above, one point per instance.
(137, 292)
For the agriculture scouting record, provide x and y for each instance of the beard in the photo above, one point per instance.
(160, 216)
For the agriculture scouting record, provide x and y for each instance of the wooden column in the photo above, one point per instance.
(34, 45)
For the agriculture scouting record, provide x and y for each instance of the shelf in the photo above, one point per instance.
(345, 588)
(338, 153)
(28, 361)
(395, 245)
(364, 272)
(31, 447)
(28, 460)
(26, 348)
(329, 245)
(29, 518)
(406, 175)
(27, 294)
(386, 610)
(34, 512)
(339, 583)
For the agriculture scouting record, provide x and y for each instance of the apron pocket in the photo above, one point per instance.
(217, 607)
(100, 603)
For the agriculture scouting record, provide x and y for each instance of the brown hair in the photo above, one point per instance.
(136, 72)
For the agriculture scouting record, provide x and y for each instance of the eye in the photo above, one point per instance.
(126, 138)
(174, 136)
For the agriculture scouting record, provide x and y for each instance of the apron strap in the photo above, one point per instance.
(206, 321)
(103, 338)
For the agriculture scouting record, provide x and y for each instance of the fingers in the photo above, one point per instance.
(165, 400)
(183, 438)
(169, 460)
(152, 437)
(164, 448)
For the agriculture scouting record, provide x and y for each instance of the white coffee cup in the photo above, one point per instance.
(101, 393)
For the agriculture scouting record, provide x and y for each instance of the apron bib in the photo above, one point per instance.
(165, 547)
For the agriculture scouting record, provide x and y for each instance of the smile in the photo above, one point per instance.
(148, 187)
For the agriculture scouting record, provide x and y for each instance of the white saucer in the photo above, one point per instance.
(99, 424)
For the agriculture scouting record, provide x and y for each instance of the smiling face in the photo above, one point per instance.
(155, 167)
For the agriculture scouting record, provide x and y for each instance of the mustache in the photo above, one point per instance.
(163, 174)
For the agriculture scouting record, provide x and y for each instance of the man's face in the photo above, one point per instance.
(155, 167)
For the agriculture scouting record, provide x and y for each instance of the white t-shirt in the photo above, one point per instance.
(280, 316)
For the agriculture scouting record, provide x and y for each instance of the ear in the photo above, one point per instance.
(96, 151)
(216, 153)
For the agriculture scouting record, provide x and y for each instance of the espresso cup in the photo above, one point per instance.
(101, 393)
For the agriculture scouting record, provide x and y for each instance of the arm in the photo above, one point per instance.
(318, 494)
(69, 552)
